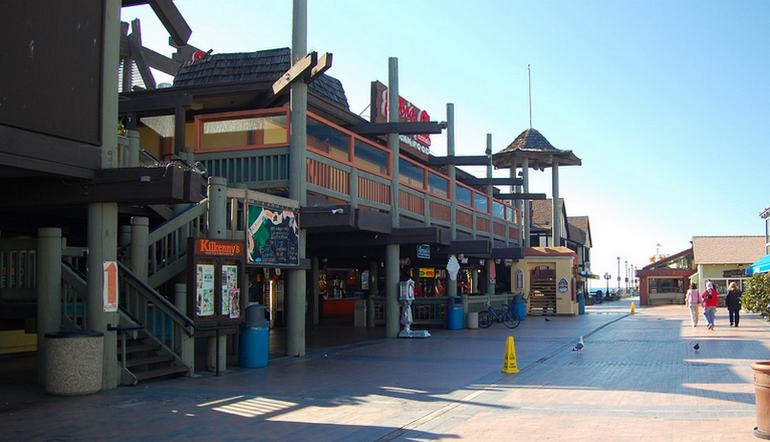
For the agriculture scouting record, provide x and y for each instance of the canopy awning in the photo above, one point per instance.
(762, 265)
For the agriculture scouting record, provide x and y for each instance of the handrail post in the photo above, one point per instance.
(186, 343)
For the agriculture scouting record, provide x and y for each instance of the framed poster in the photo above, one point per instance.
(204, 298)
(272, 236)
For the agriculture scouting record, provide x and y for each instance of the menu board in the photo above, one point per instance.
(231, 293)
(272, 236)
(204, 276)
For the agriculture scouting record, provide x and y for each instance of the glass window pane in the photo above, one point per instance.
(438, 185)
(370, 158)
(328, 140)
(480, 202)
(498, 209)
(463, 195)
(244, 132)
(509, 213)
(410, 174)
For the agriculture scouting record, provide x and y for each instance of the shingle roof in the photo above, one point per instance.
(542, 211)
(578, 229)
(727, 249)
(265, 65)
(533, 145)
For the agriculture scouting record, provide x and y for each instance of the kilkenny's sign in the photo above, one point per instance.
(219, 247)
(416, 144)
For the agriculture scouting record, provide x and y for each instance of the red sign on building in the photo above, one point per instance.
(417, 145)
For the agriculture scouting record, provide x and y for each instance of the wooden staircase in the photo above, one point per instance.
(147, 359)
(542, 297)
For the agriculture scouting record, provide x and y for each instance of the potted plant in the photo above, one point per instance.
(756, 298)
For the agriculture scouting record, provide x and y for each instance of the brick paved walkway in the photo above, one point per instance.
(638, 377)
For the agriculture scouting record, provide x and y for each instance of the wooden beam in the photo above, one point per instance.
(471, 160)
(473, 247)
(153, 102)
(160, 62)
(493, 181)
(38, 153)
(405, 128)
(135, 43)
(172, 20)
(521, 196)
(300, 69)
(507, 253)
(323, 64)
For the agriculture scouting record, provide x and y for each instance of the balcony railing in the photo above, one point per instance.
(251, 148)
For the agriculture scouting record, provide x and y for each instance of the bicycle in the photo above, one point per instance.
(504, 315)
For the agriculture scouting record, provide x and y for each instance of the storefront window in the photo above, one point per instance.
(463, 195)
(480, 202)
(244, 132)
(370, 158)
(438, 185)
(509, 213)
(329, 140)
(410, 174)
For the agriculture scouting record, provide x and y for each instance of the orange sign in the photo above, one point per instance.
(110, 290)
(218, 247)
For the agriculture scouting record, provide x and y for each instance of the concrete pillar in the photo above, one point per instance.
(450, 147)
(556, 217)
(295, 306)
(48, 283)
(187, 343)
(374, 291)
(217, 213)
(393, 251)
(519, 205)
(297, 282)
(392, 273)
(527, 221)
(217, 225)
(488, 275)
(133, 148)
(102, 246)
(140, 244)
(315, 274)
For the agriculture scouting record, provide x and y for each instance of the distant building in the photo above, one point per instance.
(541, 229)
(665, 281)
(762, 265)
(724, 259)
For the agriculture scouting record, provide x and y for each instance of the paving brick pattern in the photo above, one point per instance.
(638, 378)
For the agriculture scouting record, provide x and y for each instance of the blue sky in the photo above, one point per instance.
(667, 103)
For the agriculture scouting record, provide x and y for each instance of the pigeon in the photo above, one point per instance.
(579, 346)
(696, 347)
(547, 320)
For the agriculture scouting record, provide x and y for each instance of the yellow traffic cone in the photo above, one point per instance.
(633, 310)
(509, 363)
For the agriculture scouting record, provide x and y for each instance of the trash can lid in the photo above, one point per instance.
(74, 334)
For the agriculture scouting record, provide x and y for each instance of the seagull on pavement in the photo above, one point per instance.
(579, 346)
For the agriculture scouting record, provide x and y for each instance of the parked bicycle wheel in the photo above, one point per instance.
(509, 321)
(485, 319)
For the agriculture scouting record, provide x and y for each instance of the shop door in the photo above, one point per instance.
(542, 290)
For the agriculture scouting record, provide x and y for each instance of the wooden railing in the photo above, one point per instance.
(168, 243)
(336, 172)
(160, 319)
(432, 310)
(74, 295)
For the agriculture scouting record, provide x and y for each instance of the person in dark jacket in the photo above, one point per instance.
(733, 302)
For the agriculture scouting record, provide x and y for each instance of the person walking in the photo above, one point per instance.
(692, 300)
(710, 299)
(733, 302)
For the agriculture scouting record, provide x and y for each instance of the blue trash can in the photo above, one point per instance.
(581, 304)
(455, 316)
(254, 338)
(519, 307)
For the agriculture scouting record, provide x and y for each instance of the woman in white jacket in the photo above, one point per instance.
(692, 300)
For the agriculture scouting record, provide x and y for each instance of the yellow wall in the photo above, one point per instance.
(563, 266)
(16, 341)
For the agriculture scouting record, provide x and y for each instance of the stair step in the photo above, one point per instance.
(149, 360)
(159, 372)
(140, 347)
